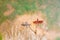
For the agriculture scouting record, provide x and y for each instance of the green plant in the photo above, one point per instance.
(58, 38)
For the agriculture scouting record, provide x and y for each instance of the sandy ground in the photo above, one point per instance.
(51, 35)
(19, 32)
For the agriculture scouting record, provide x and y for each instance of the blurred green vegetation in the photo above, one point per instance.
(0, 36)
(58, 38)
(21, 6)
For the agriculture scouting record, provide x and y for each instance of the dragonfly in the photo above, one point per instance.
(37, 22)
(27, 25)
